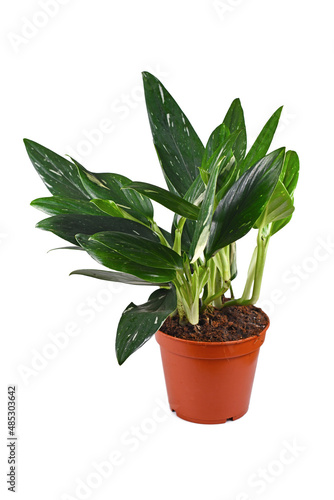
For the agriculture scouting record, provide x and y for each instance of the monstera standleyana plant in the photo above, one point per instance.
(217, 193)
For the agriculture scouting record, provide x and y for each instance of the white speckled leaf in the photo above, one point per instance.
(178, 146)
(139, 323)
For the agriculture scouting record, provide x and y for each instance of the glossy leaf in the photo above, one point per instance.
(106, 186)
(114, 260)
(179, 148)
(67, 226)
(58, 174)
(140, 250)
(139, 323)
(66, 248)
(290, 171)
(217, 138)
(226, 156)
(242, 205)
(289, 177)
(167, 199)
(56, 205)
(117, 277)
(262, 143)
(234, 120)
(202, 229)
(110, 207)
(280, 206)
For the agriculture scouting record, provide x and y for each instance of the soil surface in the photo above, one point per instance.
(220, 325)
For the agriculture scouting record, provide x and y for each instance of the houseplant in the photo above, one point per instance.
(217, 194)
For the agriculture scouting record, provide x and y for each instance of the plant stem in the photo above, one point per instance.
(178, 236)
(260, 256)
(250, 276)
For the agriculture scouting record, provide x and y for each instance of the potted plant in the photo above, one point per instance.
(217, 193)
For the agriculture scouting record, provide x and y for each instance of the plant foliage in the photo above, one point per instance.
(217, 193)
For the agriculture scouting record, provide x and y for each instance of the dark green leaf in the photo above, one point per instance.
(290, 171)
(217, 138)
(167, 199)
(179, 149)
(58, 174)
(111, 208)
(242, 205)
(67, 226)
(262, 143)
(140, 250)
(280, 206)
(234, 120)
(109, 186)
(289, 177)
(203, 224)
(56, 205)
(114, 260)
(113, 276)
(139, 323)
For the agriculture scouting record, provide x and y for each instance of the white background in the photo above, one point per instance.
(80, 67)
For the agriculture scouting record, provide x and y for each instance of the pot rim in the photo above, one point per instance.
(210, 350)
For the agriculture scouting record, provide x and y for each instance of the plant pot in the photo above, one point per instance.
(209, 382)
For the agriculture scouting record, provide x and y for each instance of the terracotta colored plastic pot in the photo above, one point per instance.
(209, 382)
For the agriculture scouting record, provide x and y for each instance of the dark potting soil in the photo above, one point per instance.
(220, 325)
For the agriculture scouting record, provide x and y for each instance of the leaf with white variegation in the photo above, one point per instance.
(245, 201)
(140, 250)
(117, 277)
(58, 174)
(69, 225)
(114, 260)
(57, 205)
(262, 142)
(167, 199)
(178, 146)
(217, 138)
(139, 323)
(279, 207)
(234, 120)
(202, 229)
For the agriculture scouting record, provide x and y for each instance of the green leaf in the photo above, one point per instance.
(233, 261)
(242, 205)
(139, 323)
(262, 143)
(111, 208)
(290, 171)
(167, 199)
(225, 155)
(66, 248)
(140, 250)
(114, 260)
(217, 138)
(113, 276)
(289, 178)
(58, 174)
(280, 206)
(56, 205)
(203, 224)
(109, 186)
(234, 120)
(67, 226)
(179, 148)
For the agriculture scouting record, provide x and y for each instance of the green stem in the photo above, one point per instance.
(157, 230)
(178, 236)
(250, 276)
(261, 253)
